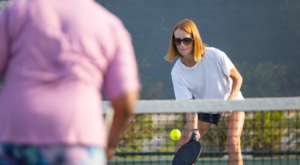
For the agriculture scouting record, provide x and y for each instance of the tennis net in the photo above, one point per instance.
(270, 133)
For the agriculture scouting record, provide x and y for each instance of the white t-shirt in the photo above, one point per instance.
(207, 79)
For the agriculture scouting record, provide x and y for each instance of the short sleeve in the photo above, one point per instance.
(225, 63)
(122, 73)
(181, 91)
(3, 40)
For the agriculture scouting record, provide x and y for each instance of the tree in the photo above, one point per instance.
(141, 128)
(263, 80)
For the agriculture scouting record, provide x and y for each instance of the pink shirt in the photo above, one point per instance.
(56, 56)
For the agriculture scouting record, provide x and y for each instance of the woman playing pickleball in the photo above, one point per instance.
(203, 72)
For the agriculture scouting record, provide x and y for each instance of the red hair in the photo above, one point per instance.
(198, 46)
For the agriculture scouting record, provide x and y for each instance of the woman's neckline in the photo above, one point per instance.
(188, 67)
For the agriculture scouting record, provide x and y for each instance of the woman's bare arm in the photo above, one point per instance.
(237, 81)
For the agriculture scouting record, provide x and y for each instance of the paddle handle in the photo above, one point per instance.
(193, 137)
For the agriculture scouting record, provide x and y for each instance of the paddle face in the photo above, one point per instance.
(188, 153)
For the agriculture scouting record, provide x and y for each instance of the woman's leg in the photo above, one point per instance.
(234, 125)
(203, 128)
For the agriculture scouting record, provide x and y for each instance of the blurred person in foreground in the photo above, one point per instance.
(205, 73)
(56, 56)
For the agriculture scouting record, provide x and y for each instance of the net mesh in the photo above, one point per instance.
(270, 133)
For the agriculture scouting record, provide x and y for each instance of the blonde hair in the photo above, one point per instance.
(198, 46)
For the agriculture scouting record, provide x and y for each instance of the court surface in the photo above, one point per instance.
(210, 161)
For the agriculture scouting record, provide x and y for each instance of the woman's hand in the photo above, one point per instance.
(225, 114)
(197, 137)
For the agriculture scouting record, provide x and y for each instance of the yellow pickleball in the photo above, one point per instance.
(175, 134)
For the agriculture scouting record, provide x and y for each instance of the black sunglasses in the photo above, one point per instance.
(186, 41)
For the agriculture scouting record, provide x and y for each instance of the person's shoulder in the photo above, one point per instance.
(100, 20)
(212, 52)
(108, 18)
